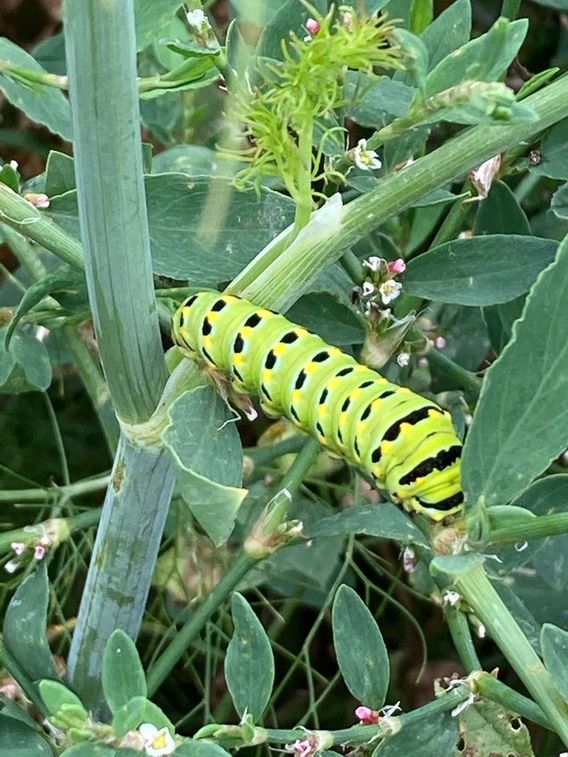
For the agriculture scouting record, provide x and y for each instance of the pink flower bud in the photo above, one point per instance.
(39, 552)
(367, 716)
(312, 26)
(439, 342)
(38, 200)
(397, 266)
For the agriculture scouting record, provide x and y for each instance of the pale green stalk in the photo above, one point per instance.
(101, 56)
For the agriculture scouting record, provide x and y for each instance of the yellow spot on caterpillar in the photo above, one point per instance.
(212, 316)
(265, 376)
(355, 393)
(334, 352)
(385, 447)
(360, 367)
(263, 313)
(310, 368)
(404, 428)
(280, 350)
(246, 331)
(322, 410)
(207, 340)
(405, 389)
(333, 383)
(301, 332)
(239, 359)
(432, 413)
(296, 396)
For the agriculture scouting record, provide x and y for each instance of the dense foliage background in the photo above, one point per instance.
(58, 438)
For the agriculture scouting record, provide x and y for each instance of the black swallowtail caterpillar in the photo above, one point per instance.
(404, 441)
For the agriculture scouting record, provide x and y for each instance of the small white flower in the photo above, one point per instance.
(367, 289)
(196, 19)
(481, 631)
(11, 566)
(13, 165)
(18, 547)
(39, 552)
(157, 741)
(366, 160)
(373, 263)
(451, 598)
(403, 358)
(389, 290)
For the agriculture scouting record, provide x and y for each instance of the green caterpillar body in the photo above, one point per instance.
(404, 441)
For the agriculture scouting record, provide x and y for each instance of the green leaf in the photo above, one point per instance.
(485, 58)
(18, 740)
(435, 735)
(488, 728)
(361, 653)
(554, 644)
(25, 623)
(523, 397)
(449, 30)
(25, 367)
(500, 319)
(384, 521)
(370, 102)
(456, 564)
(194, 160)
(55, 696)
(184, 245)
(59, 174)
(559, 203)
(123, 675)
(197, 748)
(415, 55)
(479, 271)
(63, 278)
(291, 16)
(322, 313)
(554, 161)
(206, 447)
(561, 5)
(421, 15)
(249, 664)
(151, 17)
(260, 12)
(136, 711)
(43, 104)
(500, 213)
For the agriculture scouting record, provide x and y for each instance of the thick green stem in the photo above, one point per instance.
(101, 55)
(461, 636)
(362, 734)
(123, 561)
(509, 8)
(478, 592)
(454, 372)
(535, 528)
(488, 686)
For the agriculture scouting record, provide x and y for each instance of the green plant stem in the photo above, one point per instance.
(162, 666)
(296, 473)
(454, 220)
(303, 195)
(101, 56)
(264, 455)
(35, 225)
(535, 528)
(490, 687)
(461, 636)
(478, 592)
(31, 534)
(453, 372)
(509, 9)
(49, 495)
(361, 734)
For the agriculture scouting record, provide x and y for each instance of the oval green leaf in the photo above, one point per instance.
(18, 740)
(479, 271)
(25, 626)
(554, 645)
(123, 675)
(523, 398)
(249, 664)
(361, 653)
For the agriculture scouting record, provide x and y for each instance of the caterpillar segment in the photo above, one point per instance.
(404, 441)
